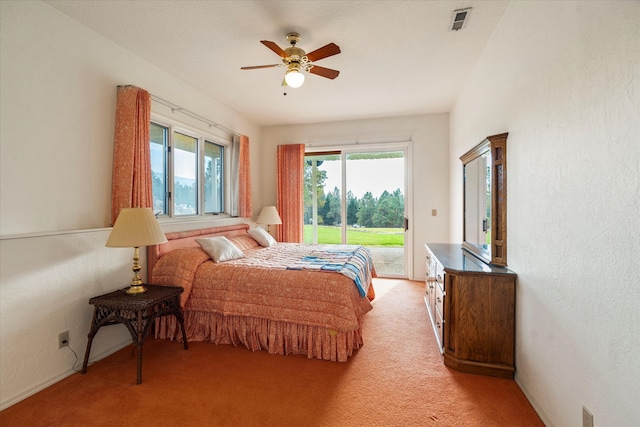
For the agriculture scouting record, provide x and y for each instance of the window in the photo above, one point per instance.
(213, 190)
(185, 168)
(188, 170)
(159, 172)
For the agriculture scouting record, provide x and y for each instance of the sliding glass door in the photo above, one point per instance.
(358, 198)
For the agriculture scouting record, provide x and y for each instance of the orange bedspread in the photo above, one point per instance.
(256, 302)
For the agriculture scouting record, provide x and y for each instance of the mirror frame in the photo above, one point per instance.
(497, 144)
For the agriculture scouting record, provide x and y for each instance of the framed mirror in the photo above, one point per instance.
(485, 200)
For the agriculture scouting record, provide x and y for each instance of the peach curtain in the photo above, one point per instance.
(131, 181)
(245, 209)
(290, 186)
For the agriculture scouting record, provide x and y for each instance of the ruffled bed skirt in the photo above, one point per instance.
(276, 337)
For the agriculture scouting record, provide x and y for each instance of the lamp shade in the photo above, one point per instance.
(269, 215)
(135, 227)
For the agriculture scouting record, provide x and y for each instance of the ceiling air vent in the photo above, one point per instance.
(459, 19)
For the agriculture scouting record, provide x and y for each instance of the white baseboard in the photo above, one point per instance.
(33, 390)
(533, 402)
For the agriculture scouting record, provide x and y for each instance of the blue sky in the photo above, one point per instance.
(374, 175)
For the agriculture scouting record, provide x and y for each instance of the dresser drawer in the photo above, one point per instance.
(438, 327)
(439, 276)
(439, 303)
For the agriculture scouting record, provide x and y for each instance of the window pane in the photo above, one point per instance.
(185, 189)
(322, 198)
(378, 198)
(375, 208)
(213, 194)
(159, 142)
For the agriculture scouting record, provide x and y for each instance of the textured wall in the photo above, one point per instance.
(46, 285)
(58, 95)
(58, 84)
(563, 79)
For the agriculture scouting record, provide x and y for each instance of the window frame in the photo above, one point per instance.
(172, 125)
(226, 192)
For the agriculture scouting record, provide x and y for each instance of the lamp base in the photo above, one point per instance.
(136, 289)
(136, 283)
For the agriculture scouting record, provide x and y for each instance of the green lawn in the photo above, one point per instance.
(387, 237)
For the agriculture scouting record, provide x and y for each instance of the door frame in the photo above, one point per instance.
(405, 146)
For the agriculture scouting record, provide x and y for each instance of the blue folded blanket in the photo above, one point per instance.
(354, 262)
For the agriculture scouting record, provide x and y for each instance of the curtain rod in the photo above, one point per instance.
(360, 142)
(191, 114)
(186, 112)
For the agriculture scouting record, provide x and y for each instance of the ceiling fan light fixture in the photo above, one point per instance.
(294, 78)
(297, 60)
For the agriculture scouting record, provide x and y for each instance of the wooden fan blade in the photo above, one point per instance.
(324, 52)
(255, 67)
(274, 47)
(324, 72)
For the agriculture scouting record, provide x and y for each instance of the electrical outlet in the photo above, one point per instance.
(63, 339)
(587, 417)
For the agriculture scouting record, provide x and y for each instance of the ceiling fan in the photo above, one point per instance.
(296, 60)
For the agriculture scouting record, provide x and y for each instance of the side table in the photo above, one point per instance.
(138, 312)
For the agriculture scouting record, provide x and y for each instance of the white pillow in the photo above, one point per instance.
(262, 236)
(220, 248)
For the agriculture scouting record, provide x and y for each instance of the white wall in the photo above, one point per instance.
(563, 79)
(428, 166)
(58, 90)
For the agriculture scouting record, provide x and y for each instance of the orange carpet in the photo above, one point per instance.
(396, 379)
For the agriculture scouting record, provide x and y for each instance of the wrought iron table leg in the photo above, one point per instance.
(92, 333)
(139, 340)
(184, 332)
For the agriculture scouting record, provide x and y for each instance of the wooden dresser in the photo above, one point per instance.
(472, 308)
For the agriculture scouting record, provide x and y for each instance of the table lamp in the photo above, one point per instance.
(135, 227)
(269, 215)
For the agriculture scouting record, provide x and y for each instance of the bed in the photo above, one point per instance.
(285, 299)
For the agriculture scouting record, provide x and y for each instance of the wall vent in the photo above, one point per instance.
(459, 19)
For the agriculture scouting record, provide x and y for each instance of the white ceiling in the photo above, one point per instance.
(398, 57)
